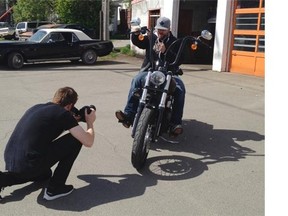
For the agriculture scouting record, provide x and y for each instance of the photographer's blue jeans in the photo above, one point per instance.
(138, 82)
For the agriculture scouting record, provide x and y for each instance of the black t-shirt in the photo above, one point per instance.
(39, 126)
(145, 44)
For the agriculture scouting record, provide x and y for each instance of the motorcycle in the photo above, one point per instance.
(156, 100)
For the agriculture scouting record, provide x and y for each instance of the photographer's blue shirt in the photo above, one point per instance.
(36, 130)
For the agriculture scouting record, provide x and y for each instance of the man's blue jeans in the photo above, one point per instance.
(179, 98)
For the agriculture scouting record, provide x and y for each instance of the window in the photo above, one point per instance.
(248, 4)
(262, 22)
(246, 21)
(261, 44)
(244, 43)
(249, 26)
(153, 16)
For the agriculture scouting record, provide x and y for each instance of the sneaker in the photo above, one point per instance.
(1, 189)
(176, 130)
(123, 118)
(52, 193)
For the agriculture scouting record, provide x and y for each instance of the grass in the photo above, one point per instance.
(122, 50)
(127, 50)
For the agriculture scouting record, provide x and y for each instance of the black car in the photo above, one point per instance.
(90, 32)
(53, 45)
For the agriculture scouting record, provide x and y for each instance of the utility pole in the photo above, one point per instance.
(7, 5)
(105, 10)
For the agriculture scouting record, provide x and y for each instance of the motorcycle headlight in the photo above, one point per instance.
(157, 78)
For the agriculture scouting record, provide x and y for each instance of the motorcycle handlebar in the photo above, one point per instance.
(182, 45)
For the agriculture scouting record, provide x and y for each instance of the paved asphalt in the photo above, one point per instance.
(216, 168)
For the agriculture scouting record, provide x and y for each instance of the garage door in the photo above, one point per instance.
(248, 50)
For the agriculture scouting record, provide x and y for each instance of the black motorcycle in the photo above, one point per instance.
(156, 101)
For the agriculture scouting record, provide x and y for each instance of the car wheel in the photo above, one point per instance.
(15, 60)
(89, 57)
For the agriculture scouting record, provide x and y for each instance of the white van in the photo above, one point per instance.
(22, 27)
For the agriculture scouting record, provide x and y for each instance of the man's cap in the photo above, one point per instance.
(163, 23)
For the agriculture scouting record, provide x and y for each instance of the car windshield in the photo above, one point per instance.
(38, 36)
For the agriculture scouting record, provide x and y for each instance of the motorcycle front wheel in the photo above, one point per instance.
(142, 139)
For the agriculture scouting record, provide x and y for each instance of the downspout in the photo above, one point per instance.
(175, 17)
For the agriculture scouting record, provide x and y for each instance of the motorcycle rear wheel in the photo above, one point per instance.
(142, 139)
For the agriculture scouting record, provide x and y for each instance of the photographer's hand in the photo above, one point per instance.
(91, 117)
(77, 117)
(85, 137)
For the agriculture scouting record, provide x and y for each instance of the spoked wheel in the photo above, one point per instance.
(142, 139)
(89, 57)
(15, 60)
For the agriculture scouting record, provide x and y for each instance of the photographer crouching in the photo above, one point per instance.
(34, 146)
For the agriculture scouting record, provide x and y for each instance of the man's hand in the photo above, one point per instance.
(161, 47)
(77, 117)
(91, 117)
(135, 29)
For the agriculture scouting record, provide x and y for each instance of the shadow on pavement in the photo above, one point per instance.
(208, 144)
(211, 145)
(63, 65)
(20, 194)
(99, 191)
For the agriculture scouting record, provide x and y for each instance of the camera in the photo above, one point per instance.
(81, 112)
(144, 29)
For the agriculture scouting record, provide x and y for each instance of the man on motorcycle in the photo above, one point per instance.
(161, 42)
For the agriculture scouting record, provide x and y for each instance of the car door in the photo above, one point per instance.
(63, 45)
(71, 47)
(47, 49)
(56, 45)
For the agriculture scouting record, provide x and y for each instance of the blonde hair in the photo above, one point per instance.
(65, 96)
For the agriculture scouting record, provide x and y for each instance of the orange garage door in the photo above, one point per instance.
(248, 50)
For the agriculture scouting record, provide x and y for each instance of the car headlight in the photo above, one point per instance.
(157, 78)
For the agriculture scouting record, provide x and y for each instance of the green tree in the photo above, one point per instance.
(85, 12)
(29, 10)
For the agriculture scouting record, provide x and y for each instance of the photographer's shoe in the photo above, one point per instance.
(1, 189)
(123, 118)
(52, 193)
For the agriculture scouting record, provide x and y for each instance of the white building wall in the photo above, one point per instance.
(170, 9)
(223, 32)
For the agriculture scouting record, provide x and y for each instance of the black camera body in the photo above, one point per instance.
(144, 29)
(81, 112)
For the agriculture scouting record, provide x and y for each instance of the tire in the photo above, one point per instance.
(15, 60)
(142, 139)
(89, 57)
